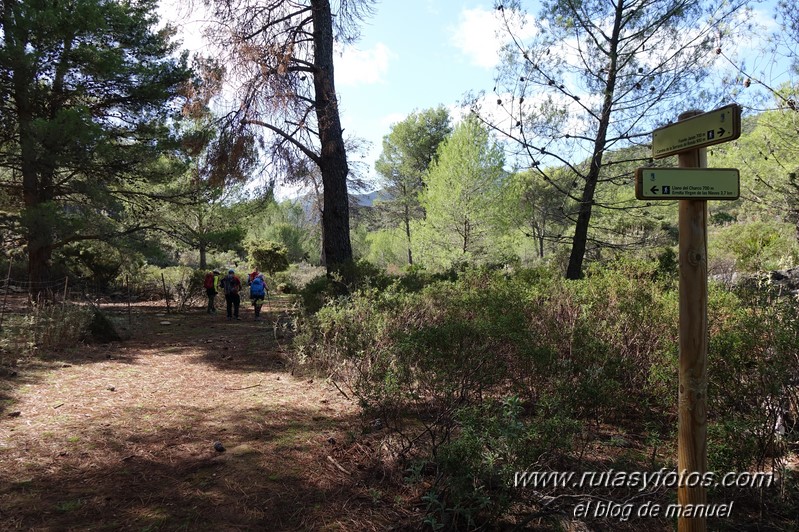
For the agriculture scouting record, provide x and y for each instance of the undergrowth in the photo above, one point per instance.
(483, 373)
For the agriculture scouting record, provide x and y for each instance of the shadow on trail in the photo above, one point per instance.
(274, 475)
(241, 346)
(140, 455)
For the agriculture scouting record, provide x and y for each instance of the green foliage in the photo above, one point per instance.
(95, 260)
(464, 191)
(494, 441)
(433, 357)
(767, 154)
(288, 224)
(408, 151)
(752, 358)
(79, 78)
(101, 329)
(297, 277)
(347, 278)
(754, 246)
(387, 247)
(183, 285)
(269, 257)
(535, 208)
(295, 239)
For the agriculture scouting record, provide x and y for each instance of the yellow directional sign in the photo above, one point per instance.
(707, 129)
(687, 183)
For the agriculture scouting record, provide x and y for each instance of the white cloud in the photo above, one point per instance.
(362, 67)
(389, 120)
(479, 34)
(476, 36)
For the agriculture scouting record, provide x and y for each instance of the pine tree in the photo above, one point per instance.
(89, 93)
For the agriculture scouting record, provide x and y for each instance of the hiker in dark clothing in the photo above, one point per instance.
(231, 286)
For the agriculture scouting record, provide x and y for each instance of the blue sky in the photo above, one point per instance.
(414, 55)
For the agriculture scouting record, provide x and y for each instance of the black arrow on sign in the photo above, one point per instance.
(722, 131)
(654, 190)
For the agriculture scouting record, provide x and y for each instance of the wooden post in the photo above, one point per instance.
(692, 409)
(166, 294)
(66, 287)
(5, 296)
(127, 283)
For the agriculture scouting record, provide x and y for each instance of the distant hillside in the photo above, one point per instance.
(366, 199)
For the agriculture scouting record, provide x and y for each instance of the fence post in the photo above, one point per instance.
(5, 296)
(166, 294)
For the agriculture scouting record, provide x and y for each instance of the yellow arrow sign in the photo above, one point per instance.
(707, 129)
(687, 183)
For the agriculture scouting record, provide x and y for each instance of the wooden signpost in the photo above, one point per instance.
(693, 184)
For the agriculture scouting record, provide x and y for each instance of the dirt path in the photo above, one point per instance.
(121, 436)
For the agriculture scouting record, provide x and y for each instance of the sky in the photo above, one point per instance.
(413, 55)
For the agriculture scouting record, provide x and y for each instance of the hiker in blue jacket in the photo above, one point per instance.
(258, 292)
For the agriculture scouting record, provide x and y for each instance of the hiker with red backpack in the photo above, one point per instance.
(210, 283)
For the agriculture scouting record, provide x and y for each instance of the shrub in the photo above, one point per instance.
(184, 285)
(269, 257)
(495, 440)
(752, 377)
(432, 362)
(47, 327)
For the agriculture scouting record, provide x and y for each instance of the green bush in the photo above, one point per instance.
(753, 372)
(267, 256)
(297, 276)
(433, 361)
(755, 246)
(183, 285)
(495, 440)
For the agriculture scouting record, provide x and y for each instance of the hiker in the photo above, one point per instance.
(258, 292)
(252, 276)
(210, 283)
(231, 285)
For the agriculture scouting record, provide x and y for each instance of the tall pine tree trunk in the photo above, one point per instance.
(38, 233)
(333, 156)
(203, 255)
(408, 233)
(575, 268)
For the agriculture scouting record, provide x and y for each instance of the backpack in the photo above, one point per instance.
(208, 282)
(257, 288)
(231, 285)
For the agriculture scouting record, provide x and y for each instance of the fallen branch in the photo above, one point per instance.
(340, 390)
(339, 466)
(245, 388)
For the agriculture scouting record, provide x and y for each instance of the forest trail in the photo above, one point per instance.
(121, 436)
